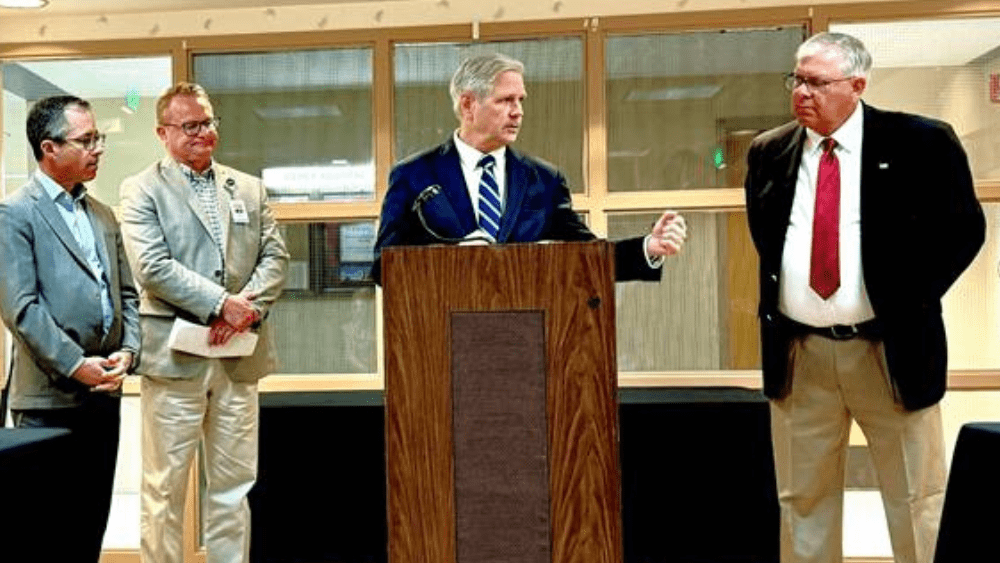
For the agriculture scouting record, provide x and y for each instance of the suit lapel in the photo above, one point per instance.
(788, 161)
(519, 177)
(782, 192)
(100, 237)
(225, 187)
(174, 179)
(874, 164)
(448, 173)
(107, 252)
(47, 209)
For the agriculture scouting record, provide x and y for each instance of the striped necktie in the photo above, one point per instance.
(489, 198)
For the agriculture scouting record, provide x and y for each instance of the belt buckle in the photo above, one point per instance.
(843, 332)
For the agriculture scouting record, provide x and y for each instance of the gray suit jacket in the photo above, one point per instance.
(50, 298)
(177, 264)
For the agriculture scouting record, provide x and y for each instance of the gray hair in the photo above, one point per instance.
(478, 75)
(855, 58)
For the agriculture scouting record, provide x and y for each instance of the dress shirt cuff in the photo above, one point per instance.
(217, 310)
(654, 262)
(76, 366)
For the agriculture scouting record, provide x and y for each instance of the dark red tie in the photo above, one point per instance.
(824, 266)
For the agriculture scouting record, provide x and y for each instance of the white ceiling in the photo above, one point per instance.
(946, 42)
(69, 7)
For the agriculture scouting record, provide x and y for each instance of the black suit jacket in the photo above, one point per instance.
(538, 207)
(921, 226)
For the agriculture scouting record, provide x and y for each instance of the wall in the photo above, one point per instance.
(17, 160)
(959, 96)
(15, 28)
(131, 144)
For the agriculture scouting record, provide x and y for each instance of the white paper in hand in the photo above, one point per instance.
(476, 238)
(193, 339)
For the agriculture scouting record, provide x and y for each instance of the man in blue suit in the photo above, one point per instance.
(474, 187)
(68, 298)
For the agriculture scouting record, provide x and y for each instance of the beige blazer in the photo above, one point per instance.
(178, 267)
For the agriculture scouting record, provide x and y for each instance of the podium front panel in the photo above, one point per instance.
(501, 450)
(569, 287)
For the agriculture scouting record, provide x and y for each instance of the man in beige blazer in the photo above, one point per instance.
(205, 248)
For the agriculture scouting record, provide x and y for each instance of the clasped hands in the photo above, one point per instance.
(668, 235)
(238, 315)
(104, 374)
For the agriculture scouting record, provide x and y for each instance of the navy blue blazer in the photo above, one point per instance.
(538, 207)
(921, 226)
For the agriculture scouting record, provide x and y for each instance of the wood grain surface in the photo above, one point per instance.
(572, 283)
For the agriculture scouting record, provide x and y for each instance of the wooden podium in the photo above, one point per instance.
(500, 404)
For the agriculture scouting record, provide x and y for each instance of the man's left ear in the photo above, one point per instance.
(859, 83)
(48, 146)
(465, 102)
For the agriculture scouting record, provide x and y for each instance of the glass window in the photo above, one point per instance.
(122, 92)
(683, 107)
(972, 305)
(703, 313)
(948, 69)
(553, 111)
(324, 321)
(301, 120)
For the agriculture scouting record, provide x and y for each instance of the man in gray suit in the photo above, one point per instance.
(67, 296)
(205, 249)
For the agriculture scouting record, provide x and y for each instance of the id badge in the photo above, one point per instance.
(239, 210)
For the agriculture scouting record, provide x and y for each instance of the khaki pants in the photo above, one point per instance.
(834, 381)
(177, 416)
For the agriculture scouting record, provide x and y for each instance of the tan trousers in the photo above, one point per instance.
(177, 416)
(833, 382)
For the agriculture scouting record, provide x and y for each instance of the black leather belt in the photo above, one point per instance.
(869, 330)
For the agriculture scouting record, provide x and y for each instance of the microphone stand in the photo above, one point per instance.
(418, 207)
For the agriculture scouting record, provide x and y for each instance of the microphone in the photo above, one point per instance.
(427, 194)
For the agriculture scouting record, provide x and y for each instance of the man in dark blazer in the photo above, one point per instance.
(68, 298)
(863, 219)
(475, 188)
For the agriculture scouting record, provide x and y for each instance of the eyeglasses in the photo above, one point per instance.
(89, 143)
(193, 128)
(793, 81)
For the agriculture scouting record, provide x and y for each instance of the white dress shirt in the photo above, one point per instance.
(470, 156)
(850, 303)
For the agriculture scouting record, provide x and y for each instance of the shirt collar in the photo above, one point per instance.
(470, 155)
(848, 135)
(207, 176)
(57, 192)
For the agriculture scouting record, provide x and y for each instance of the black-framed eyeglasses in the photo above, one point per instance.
(90, 142)
(793, 81)
(193, 128)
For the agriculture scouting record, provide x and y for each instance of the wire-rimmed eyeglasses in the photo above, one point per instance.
(89, 143)
(793, 81)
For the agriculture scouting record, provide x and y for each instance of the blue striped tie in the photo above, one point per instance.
(489, 198)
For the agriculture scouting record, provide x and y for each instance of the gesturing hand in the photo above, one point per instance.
(668, 235)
